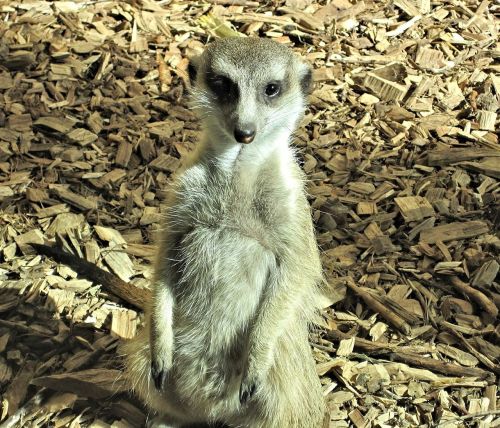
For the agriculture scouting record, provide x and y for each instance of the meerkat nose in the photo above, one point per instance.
(245, 134)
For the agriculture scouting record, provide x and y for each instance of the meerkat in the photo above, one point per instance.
(238, 270)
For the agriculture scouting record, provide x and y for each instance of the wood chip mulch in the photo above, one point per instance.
(400, 143)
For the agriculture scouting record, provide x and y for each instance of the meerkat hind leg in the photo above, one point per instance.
(292, 395)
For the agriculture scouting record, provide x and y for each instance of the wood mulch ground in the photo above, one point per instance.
(401, 147)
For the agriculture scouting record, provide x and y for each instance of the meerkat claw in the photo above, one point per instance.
(159, 376)
(246, 391)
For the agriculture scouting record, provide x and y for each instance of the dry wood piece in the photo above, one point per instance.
(488, 166)
(123, 154)
(430, 58)
(19, 122)
(95, 383)
(385, 89)
(440, 366)
(17, 390)
(446, 157)
(5, 193)
(119, 262)
(124, 323)
(455, 331)
(453, 231)
(408, 7)
(378, 307)
(486, 274)
(127, 291)
(491, 393)
(462, 357)
(412, 359)
(82, 136)
(165, 163)
(303, 19)
(25, 240)
(110, 235)
(357, 419)
(18, 60)
(477, 296)
(366, 208)
(414, 208)
(75, 200)
(54, 124)
(486, 120)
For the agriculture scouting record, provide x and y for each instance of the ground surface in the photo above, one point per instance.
(399, 143)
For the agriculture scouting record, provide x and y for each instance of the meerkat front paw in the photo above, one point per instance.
(255, 373)
(159, 372)
(247, 389)
(161, 363)
(252, 377)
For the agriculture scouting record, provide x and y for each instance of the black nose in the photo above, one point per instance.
(245, 134)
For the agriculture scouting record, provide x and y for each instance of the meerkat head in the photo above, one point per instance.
(249, 90)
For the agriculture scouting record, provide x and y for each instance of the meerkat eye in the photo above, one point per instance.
(272, 89)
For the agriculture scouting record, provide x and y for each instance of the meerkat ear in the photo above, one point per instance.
(306, 80)
(193, 70)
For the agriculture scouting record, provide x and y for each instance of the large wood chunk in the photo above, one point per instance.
(165, 163)
(36, 195)
(486, 120)
(124, 323)
(5, 192)
(20, 122)
(81, 202)
(123, 153)
(453, 231)
(488, 166)
(82, 136)
(19, 60)
(6, 81)
(385, 89)
(25, 239)
(95, 383)
(449, 156)
(486, 274)
(414, 208)
(430, 58)
(119, 262)
(54, 124)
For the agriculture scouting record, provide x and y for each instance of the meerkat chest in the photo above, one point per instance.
(227, 253)
(226, 222)
(256, 209)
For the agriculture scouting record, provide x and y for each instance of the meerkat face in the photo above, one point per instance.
(249, 90)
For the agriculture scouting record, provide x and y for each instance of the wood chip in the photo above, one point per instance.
(453, 231)
(414, 208)
(95, 383)
(385, 89)
(76, 200)
(124, 323)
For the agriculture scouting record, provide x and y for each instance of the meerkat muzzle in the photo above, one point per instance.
(244, 135)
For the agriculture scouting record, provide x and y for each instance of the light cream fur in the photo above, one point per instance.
(238, 268)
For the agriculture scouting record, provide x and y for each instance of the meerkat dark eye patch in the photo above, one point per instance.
(306, 82)
(192, 72)
(222, 86)
(272, 89)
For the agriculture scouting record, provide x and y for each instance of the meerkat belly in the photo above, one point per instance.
(223, 275)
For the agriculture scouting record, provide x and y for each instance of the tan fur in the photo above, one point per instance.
(238, 268)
